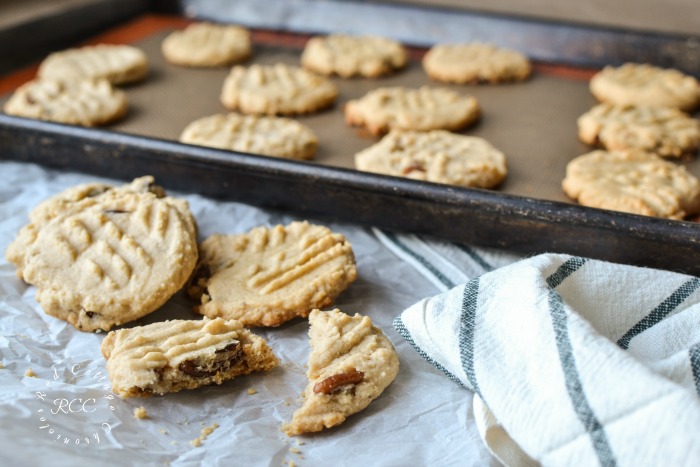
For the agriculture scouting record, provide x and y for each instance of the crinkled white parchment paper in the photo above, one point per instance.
(67, 414)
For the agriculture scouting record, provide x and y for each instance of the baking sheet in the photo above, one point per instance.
(533, 123)
(423, 418)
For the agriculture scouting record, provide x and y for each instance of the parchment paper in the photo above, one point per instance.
(67, 414)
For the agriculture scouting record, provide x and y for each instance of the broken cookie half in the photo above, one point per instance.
(350, 364)
(182, 354)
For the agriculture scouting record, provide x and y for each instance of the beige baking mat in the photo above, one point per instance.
(533, 123)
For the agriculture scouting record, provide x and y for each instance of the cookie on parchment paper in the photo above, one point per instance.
(118, 64)
(71, 200)
(348, 56)
(351, 363)
(422, 109)
(269, 136)
(268, 276)
(665, 131)
(632, 181)
(475, 63)
(646, 85)
(181, 354)
(207, 45)
(435, 156)
(276, 90)
(108, 259)
(83, 102)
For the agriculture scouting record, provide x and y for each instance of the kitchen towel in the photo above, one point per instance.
(571, 361)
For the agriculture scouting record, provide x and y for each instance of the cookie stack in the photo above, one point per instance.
(641, 120)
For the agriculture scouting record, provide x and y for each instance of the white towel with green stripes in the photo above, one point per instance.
(571, 361)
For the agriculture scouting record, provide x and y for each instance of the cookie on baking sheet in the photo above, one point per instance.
(351, 362)
(270, 275)
(665, 131)
(347, 56)
(425, 108)
(435, 156)
(110, 259)
(182, 354)
(269, 136)
(632, 181)
(207, 45)
(118, 64)
(475, 63)
(83, 102)
(276, 90)
(644, 84)
(70, 200)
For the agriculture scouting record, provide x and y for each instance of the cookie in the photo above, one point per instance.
(181, 354)
(269, 136)
(118, 64)
(111, 259)
(475, 63)
(71, 200)
(665, 131)
(348, 56)
(646, 85)
(270, 275)
(351, 362)
(399, 108)
(276, 90)
(435, 156)
(207, 45)
(83, 102)
(632, 181)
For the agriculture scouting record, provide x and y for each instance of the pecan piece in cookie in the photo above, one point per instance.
(336, 382)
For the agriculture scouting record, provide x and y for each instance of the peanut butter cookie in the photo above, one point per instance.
(347, 56)
(632, 181)
(646, 85)
(435, 156)
(269, 136)
(351, 362)
(423, 109)
(276, 90)
(475, 63)
(118, 64)
(665, 131)
(180, 354)
(82, 102)
(207, 45)
(108, 259)
(270, 275)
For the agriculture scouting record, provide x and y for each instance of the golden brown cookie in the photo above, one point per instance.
(180, 354)
(276, 90)
(351, 362)
(347, 56)
(435, 156)
(82, 102)
(270, 275)
(665, 131)
(423, 109)
(207, 45)
(646, 85)
(475, 63)
(118, 64)
(269, 136)
(632, 181)
(108, 259)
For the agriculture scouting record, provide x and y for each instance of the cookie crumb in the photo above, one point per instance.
(163, 431)
(140, 413)
(252, 391)
(30, 373)
(203, 436)
(294, 450)
(2, 366)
